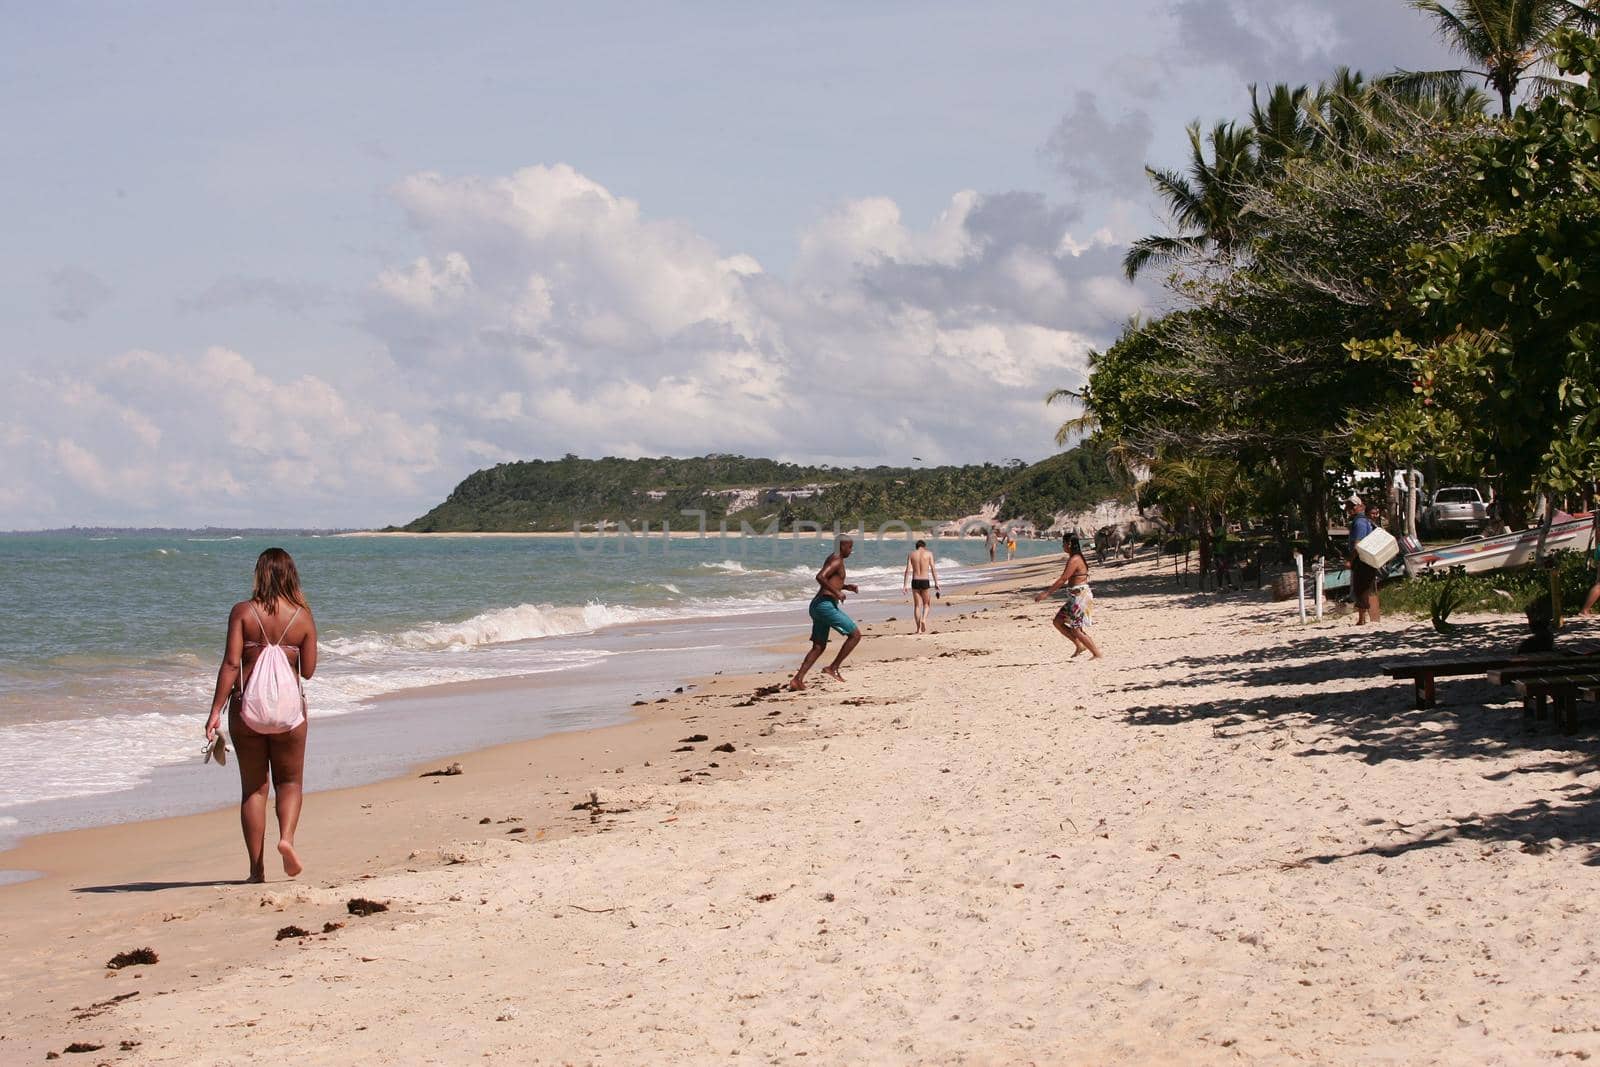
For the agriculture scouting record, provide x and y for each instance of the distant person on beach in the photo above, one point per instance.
(1076, 614)
(992, 538)
(924, 579)
(1363, 576)
(271, 634)
(1011, 544)
(828, 614)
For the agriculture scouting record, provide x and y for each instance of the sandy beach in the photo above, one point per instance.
(1230, 841)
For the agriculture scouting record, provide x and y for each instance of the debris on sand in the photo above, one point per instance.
(330, 927)
(639, 703)
(100, 1007)
(443, 772)
(291, 931)
(726, 746)
(761, 693)
(693, 739)
(684, 748)
(139, 957)
(764, 897)
(82, 1046)
(596, 807)
(363, 906)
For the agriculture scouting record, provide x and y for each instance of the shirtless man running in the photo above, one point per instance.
(922, 574)
(826, 614)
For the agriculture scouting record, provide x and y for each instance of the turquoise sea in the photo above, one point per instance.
(109, 644)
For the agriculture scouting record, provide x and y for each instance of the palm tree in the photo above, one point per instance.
(1282, 124)
(1506, 41)
(1206, 200)
(1202, 486)
(1123, 461)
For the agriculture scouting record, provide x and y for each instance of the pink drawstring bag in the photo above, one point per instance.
(274, 700)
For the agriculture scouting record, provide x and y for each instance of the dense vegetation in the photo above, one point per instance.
(556, 494)
(1377, 274)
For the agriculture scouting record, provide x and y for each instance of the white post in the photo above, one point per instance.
(1300, 582)
(1317, 571)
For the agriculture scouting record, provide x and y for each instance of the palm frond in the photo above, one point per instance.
(1157, 249)
(1420, 83)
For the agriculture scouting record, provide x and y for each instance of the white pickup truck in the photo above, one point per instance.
(1456, 507)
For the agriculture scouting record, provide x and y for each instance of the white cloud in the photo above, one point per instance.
(577, 323)
(147, 438)
(543, 314)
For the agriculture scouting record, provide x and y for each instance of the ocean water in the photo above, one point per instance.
(109, 645)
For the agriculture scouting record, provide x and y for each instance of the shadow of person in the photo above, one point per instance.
(157, 887)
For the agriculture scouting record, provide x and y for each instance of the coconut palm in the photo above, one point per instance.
(1205, 200)
(1505, 41)
(1203, 486)
(1282, 122)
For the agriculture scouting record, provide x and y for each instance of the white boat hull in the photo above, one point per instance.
(1478, 554)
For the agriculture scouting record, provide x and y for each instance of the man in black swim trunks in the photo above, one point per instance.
(923, 576)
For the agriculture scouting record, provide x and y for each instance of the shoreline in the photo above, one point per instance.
(627, 670)
(690, 535)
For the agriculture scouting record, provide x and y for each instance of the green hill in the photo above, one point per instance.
(556, 494)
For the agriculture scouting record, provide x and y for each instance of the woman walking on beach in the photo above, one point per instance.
(271, 646)
(1076, 614)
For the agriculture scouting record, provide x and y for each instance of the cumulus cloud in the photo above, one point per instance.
(210, 438)
(75, 294)
(541, 313)
(1094, 152)
(548, 314)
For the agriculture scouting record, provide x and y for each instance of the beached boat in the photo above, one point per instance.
(1336, 579)
(1515, 549)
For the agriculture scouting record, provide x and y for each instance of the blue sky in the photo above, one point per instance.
(416, 239)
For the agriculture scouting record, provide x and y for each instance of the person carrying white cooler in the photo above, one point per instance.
(1363, 575)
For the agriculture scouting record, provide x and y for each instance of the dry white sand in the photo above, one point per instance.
(1229, 842)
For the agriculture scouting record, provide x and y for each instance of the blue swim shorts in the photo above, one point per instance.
(827, 615)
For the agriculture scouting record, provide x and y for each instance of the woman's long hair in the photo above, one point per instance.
(1073, 545)
(277, 579)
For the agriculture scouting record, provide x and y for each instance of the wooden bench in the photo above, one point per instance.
(1560, 692)
(1422, 672)
(1570, 665)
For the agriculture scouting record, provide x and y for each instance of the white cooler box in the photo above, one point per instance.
(1377, 548)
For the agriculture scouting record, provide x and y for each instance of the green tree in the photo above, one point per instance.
(1505, 364)
(1204, 199)
(1508, 43)
(1201, 487)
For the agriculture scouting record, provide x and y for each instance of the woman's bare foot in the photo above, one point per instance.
(256, 878)
(833, 672)
(797, 686)
(291, 859)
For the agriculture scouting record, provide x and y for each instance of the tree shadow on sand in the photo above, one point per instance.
(1380, 723)
(1345, 653)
